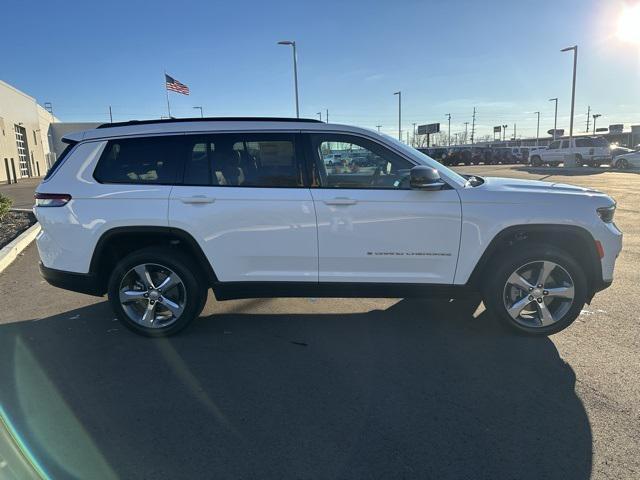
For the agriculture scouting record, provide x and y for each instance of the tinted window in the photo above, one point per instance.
(249, 160)
(60, 159)
(151, 160)
(565, 144)
(583, 142)
(554, 145)
(362, 164)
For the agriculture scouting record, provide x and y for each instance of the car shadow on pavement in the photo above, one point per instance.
(422, 389)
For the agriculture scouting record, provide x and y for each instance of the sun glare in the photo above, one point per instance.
(629, 24)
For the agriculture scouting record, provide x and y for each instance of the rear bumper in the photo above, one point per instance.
(76, 282)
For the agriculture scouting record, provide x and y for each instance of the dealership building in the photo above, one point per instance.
(24, 126)
(30, 135)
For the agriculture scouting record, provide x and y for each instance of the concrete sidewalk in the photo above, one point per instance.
(22, 192)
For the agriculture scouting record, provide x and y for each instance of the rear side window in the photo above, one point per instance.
(583, 142)
(242, 160)
(60, 160)
(565, 144)
(152, 160)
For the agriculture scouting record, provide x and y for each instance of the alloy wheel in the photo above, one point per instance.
(538, 294)
(152, 295)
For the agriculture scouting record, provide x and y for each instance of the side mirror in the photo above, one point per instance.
(425, 178)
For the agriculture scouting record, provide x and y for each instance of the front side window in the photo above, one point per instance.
(149, 160)
(242, 160)
(345, 161)
(554, 145)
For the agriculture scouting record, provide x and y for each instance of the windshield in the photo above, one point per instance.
(426, 160)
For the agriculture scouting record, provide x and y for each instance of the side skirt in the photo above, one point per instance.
(238, 290)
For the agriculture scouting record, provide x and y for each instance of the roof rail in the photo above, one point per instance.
(208, 119)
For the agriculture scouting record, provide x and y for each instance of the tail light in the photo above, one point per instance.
(52, 199)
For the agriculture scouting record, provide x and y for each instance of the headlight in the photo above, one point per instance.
(606, 213)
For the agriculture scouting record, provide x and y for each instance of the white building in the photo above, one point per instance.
(24, 127)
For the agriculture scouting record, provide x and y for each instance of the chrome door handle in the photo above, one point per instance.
(197, 199)
(341, 201)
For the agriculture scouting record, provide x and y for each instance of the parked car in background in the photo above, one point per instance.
(616, 150)
(590, 151)
(630, 159)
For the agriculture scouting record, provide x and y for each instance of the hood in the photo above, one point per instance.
(533, 186)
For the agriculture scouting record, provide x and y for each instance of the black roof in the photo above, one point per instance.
(209, 119)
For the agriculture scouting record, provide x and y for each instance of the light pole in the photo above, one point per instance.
(413, 143)
(201, 114)
(537, 128)
(504, 132)
(595, 117)
(555, 117)
(466, 126)
(295, 70)
(573, 88)
(399, 114)
(448, 115)
(319, 115)
(378, 127)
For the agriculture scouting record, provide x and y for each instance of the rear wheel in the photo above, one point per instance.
(539, 291)
(155, 291)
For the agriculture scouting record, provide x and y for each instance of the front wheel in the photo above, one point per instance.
(155, 291)
(622, 164)
(539, 290)
(536, 161)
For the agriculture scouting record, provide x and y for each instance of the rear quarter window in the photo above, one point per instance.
(150, 160)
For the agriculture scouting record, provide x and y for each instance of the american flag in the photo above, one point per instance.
(175, 86)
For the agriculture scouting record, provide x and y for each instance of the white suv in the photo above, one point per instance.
(591, 151)
(155, 213)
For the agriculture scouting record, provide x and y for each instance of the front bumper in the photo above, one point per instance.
(87, 283)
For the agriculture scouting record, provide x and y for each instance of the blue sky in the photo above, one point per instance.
(503, 57)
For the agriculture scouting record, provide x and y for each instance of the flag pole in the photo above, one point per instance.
(166, 90)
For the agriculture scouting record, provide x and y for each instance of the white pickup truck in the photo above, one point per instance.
(591, 151)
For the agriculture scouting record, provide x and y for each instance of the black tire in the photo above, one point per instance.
(194, 292)
(580, 162)
(503, 266)
(536, 161)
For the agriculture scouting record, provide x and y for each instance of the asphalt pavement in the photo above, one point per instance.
(328, 388)
(22, 192)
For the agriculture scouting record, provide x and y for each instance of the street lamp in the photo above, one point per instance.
(537, 128)
(504, 132)
(201, 114)
(399, 114)
(595, 117)
(555, 117)
(573, 88)
(295, 70)
(319, 115)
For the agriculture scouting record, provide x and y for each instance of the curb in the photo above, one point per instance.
(11, 251)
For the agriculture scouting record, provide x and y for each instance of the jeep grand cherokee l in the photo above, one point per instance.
(155, 213)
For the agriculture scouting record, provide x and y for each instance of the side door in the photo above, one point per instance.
(371, 226)
(243, 199)
(552, 154)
